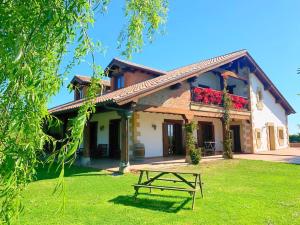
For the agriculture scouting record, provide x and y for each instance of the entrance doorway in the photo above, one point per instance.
(114, 139)
(94, 152)
(205, 133)
(271, 137)
(172, 138)
(236, 139)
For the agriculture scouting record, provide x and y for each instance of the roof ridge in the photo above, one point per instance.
(139, 65)
(230, 53)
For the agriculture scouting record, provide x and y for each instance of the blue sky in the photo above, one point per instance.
(197, 29)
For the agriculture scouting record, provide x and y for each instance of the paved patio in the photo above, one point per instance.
(156, 162)
(291, 155)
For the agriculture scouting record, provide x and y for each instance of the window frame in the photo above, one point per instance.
(258, 137)
(119, 82)
(280, 134)
(81, 94)
(259, 98)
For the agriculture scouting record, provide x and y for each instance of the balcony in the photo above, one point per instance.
(211, 97)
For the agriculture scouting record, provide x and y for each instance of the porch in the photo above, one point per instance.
(154, 138)
(289, 155)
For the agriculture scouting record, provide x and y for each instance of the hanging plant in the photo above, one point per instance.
(195, 153)
(227, 142)
(215, 97)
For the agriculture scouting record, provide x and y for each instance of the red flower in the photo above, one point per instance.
(210, 96)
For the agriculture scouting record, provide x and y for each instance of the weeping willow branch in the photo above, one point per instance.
(34, 37)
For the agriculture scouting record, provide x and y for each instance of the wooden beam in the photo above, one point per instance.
(278, 100)
(267, 87)
(176, 86)
(188, 117)
(86, 140)
(199, 113)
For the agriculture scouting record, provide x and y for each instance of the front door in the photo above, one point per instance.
(205, 133)
(236, 139)
(114, 139)
(172, 138)
(93, 140)
(271, 135)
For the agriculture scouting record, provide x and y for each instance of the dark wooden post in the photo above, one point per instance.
(85, 159)
(64, 126)
(124, 163)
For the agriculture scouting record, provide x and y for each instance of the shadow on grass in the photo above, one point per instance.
(45, 172)
(153, 204)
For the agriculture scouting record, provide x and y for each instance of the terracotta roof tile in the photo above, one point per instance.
(125, 95)
(135, 65)
(145, 86)
(87, 80)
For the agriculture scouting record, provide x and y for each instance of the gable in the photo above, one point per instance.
(142, 89)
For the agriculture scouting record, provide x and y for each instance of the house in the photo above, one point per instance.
(142, 111)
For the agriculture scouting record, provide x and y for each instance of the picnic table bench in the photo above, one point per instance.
(192, 186)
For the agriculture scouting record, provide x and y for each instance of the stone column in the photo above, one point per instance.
(124, 163)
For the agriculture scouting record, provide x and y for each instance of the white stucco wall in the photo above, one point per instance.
(103, 135)
(271, 112)
(103, 120)
(153, 139)
(150, 137)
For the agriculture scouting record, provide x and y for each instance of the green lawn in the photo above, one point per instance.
(235, 192)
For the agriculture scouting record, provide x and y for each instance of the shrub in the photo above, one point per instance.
(294, 138)
(195, 153)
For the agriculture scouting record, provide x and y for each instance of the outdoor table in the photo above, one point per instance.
(191, 186)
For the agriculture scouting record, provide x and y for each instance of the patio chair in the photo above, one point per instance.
(209, 148)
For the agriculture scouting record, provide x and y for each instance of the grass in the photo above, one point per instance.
(235, 192)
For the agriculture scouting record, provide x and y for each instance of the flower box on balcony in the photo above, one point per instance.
(215, 97)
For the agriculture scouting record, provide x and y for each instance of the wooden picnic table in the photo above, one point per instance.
(191, 186)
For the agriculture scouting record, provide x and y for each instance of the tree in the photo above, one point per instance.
(34, 37)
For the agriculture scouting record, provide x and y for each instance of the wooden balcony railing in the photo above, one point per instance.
(210, 96)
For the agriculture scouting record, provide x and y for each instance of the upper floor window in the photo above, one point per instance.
(119, 82)
(230, 89)
(259, 98)
(259, 95)
(79, 93)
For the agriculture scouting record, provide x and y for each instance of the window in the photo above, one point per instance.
(280, 136)
(119, 82)
(258, 137)
(230, 89)
(259, 98)
(79, 93)
(205, 133)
